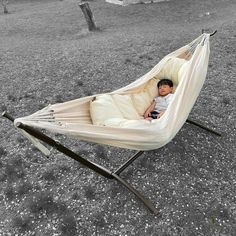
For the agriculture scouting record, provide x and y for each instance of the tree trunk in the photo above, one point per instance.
(4, 4)
(5, 11)
(88, 16)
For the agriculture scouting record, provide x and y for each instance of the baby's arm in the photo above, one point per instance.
(149, 110)
(160, 114)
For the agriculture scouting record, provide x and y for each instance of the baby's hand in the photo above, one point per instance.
(160, 114)
(147, 114)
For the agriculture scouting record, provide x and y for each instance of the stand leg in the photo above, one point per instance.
(116, 176)
(126, 164)
(145, 201)
(203, 127)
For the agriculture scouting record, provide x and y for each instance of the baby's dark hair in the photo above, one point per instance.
(165, 82)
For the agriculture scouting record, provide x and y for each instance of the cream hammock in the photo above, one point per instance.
(74, 118)
(116, 118)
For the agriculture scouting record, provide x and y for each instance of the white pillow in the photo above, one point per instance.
(151, 88)
(103, 108)
(115, 122)
(171, 69)
(125, 105)
(144, 99)
(141, 101)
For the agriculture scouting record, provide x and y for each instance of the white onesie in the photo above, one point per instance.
(162, 102)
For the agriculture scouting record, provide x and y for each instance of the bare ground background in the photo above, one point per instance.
(48, 56)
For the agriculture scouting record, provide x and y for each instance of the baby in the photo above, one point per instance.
(161, 102)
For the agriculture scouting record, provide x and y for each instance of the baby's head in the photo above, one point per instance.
(165, 86)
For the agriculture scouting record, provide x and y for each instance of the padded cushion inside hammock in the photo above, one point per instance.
(116, 109)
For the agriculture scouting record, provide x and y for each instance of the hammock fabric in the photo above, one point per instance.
(78, 117)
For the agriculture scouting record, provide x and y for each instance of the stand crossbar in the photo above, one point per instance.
(126, 164)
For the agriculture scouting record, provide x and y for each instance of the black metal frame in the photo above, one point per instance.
(93, 166)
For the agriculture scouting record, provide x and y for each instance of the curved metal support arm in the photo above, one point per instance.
(145, 201)
(203, 31)
(8, 116)
(213, 33)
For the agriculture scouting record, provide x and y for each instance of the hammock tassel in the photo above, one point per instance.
(35, 142)
(31, 138)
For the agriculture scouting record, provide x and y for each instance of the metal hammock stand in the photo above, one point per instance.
(95, 167)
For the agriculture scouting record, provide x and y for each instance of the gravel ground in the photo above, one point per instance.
(48, 56)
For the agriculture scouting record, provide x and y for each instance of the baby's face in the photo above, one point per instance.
(164, 90)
